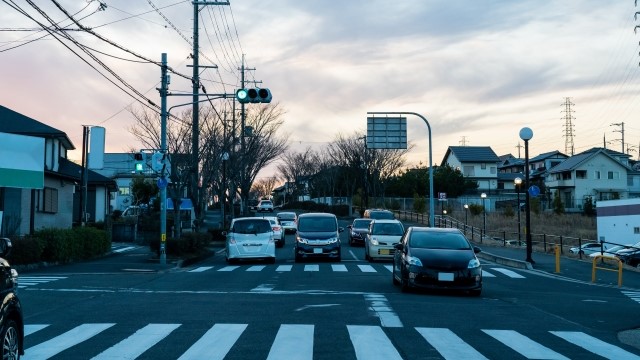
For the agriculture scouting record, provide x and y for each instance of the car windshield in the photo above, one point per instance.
(286, 216)
(430, 240)
(317, 224)
(251, 226)
(387, 229)
(361, 223)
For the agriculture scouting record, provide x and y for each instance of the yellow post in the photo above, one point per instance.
(557, 259)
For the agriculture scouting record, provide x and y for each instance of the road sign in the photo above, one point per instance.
(162, 183)
(534, 190)
(442, 196)
(386, 133)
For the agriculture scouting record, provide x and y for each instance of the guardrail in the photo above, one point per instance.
(608, 258)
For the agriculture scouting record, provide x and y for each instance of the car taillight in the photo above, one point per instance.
(276, 228)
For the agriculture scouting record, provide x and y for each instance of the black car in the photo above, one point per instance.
(11, 323)
(318, 237)
(358, 230)
(437, 258)
(631, 257)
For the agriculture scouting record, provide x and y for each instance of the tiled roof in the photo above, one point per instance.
(546, 155)
(12, 122)
(575, 160)
(73, 171)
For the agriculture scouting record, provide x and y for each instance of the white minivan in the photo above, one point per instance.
(250, 238)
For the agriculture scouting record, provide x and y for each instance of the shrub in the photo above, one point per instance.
(26, 250)
(419, 203)
(476, 209)
(188, 243)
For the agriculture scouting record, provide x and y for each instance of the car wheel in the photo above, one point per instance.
(404, 284)
(272, 260)
(393, 276)
(10, 341)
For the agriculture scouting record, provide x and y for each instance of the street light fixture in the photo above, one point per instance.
(518, 181)
(466, 211)
(526, 134)
(484, 216)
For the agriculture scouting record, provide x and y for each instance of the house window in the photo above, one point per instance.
(581, 174)
(566, 175)
(124, 191)
(636, 230)
(613, 175)
(483, 166)
(469, 171)
(48, 200)
(493, 170)
(597, 175)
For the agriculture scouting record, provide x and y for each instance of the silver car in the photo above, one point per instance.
(383, 235)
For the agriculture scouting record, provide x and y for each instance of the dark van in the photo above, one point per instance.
(318, 237)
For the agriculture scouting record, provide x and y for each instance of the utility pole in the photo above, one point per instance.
(568, 126)
(519, 147)
(195, 126)
(162, 182)
(243, 117)
(621, 131)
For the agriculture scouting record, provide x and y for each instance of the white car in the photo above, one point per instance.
(587, 248)
(289, 221)
(265, 205)
(383, 235)
(610, 252)
(250, 238)
(278, 230)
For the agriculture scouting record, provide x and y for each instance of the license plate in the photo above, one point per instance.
(384, 251)
(317, 251)
(445, 276)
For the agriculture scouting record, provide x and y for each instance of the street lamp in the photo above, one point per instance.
(526, 134)
(518, 181)
(466, 211)
(484, 215)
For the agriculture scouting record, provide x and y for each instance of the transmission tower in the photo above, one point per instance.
(568, 126)
(463, 141)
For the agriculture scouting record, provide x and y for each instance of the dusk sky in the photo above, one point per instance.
(479, 71)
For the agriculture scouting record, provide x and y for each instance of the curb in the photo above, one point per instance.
(520, 264)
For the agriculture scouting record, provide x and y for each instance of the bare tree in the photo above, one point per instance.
(264, 187)
(297, 167)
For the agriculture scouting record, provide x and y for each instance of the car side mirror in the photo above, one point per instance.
(340, 229)
(349, 226)
(476, 249)
(224, 233)
(5, 247)
(398, 246)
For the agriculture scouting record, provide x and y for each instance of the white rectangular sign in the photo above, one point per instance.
(21, 161)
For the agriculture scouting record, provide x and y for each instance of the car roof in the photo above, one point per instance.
(385, 221)
(434, 229)
(249, 218)
(316, 214)
(286, 213)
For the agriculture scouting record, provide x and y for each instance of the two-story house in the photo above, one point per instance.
(49, 195)
(598, 173)
(477, 163)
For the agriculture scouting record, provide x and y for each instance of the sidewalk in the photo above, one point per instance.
(569, 267)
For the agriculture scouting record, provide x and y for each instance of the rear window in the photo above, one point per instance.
(286, 216)
(431, 240)
(381, 214)
(361, 223)
(253, 226)
(318, 224)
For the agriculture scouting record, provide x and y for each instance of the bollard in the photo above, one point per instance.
(557, 259)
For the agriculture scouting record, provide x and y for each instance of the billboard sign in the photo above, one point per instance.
(21, 161)
(387, 133)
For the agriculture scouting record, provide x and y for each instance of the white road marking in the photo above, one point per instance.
(448, 344)
(138, 343)
(523, 345)
(293, 342)
(370, 342)
(222, 335)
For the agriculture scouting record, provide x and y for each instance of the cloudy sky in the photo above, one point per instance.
(479, 71)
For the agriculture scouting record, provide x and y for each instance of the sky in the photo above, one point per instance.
(478, 71)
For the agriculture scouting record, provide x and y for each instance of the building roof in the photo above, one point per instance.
(472, 154)
(576, 160)
(547, 155)
(72, 171)
(12, 122)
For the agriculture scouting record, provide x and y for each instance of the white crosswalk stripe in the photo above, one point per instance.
(633, 295)
(296, 342)
(488, 272)
(24, 281)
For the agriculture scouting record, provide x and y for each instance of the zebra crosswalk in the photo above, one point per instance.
(488, 272)
(633, 295)
(25, 281)
(296, 341)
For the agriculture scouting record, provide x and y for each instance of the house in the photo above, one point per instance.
(540, 165)
(598, 173)
(47, 193)
(477, 163)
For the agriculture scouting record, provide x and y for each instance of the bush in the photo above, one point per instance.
(26, 250)
(60, 245)
(192, 243)
(476, 209)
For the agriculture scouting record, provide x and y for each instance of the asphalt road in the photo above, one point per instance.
(125, 306)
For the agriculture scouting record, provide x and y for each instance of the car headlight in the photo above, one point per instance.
(374, 241)
(301, 240)
(473, 263)
(412, 260)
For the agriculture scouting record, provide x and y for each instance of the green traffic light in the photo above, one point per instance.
(242, 95)
(139, 167)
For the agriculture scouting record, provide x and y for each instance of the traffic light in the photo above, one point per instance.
(253, 95)
(140, 159)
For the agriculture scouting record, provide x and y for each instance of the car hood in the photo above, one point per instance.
(317, 235)
(444, 258)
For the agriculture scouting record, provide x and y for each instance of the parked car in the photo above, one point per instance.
(11, 321)
(586, 248)
(289, 221)
(250, 238)
(437, 258)
(318, 237)
(611, 252)
(265, 205)
(382, 236)
(358, 230)
(278, 231)
(630, 257)
(378, 214)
